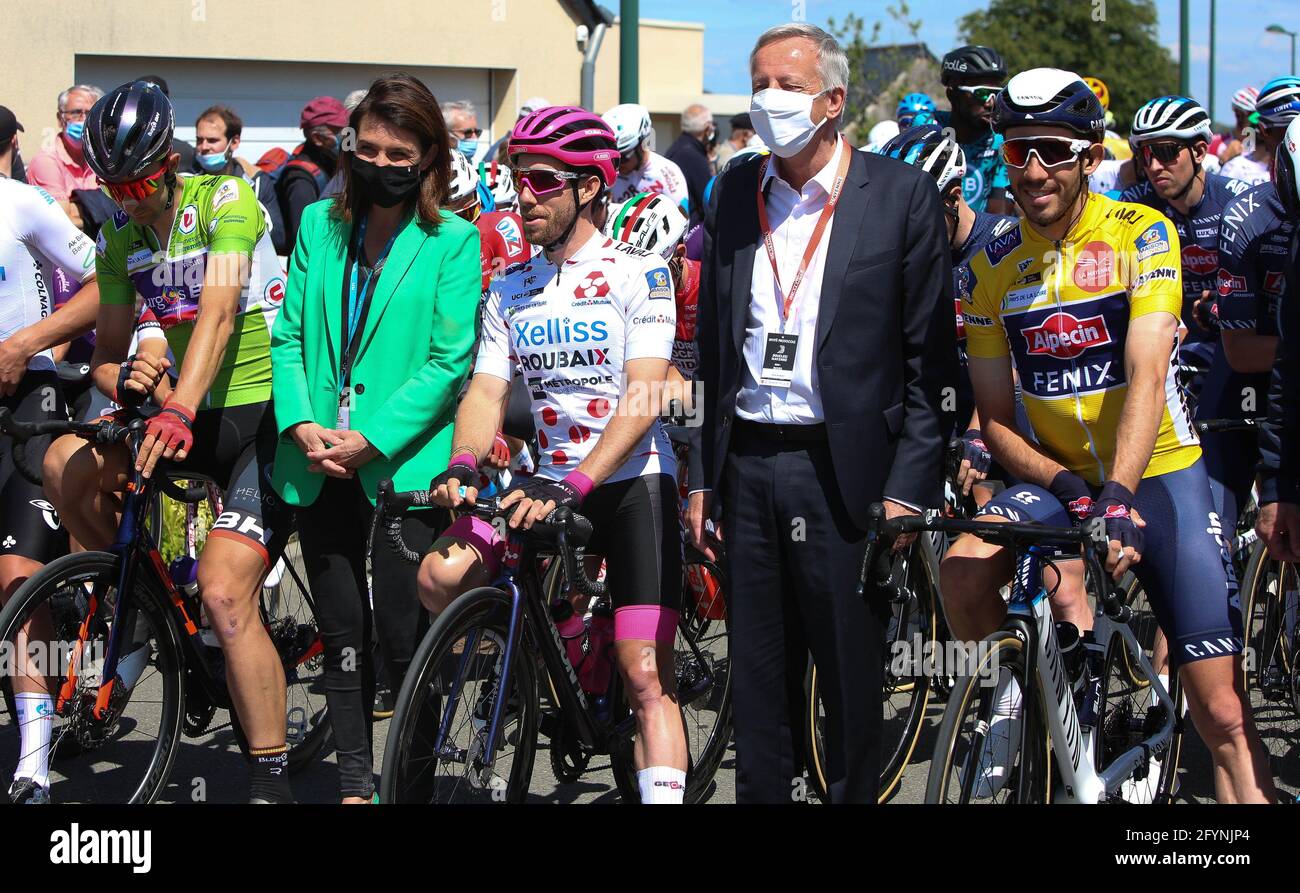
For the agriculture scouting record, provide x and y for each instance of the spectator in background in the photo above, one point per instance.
(9, 130)
(690, 152)
(462, 124)
(313, 163)
(61, 167)
(497, 151)
(179, 146)
(741, 130)
(216, 138)
(335, 185)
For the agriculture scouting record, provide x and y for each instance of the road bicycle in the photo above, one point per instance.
(466, 721)
(124, 651)
(1084, 730)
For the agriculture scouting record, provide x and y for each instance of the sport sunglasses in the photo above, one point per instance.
(1164, 152)
(1052, 151)
(981, 94)
(135, 190)
(542, 180)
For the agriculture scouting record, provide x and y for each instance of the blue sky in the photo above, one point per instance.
(1245, 54)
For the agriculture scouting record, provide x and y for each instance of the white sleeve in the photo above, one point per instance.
(650, 313)
(495, 357)
(49, 231)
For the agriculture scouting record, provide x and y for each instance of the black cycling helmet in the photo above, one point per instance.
(128, 131)
(971, 63)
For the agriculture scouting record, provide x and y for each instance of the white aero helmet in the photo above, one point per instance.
(649, 221)
(464, 178)
(496, 177)
(1173, 117)
(631, 125)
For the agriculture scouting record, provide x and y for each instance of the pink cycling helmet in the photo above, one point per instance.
(571, 135)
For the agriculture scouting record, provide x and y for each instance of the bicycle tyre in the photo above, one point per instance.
(1003, 649)
(486, 609)
(1269, 661)
(65, 577)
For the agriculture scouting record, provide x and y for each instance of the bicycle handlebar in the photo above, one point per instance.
(109, 431)
(1216, 425)
(569, 530)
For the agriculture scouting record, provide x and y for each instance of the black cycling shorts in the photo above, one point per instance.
(29, 526)
(235, 446)
(638, 531)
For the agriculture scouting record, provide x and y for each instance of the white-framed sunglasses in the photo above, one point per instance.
(982, 94)
(1052, 151)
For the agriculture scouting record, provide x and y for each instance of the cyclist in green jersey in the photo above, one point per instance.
(196, 250)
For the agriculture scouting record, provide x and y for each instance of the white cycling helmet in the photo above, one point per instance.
(1286, 169)
(631, 125)
(930, 149)
(464, 179)
(496, 177)
(1174, 117)
(880, 134)
(649, 221)
(1244, 99)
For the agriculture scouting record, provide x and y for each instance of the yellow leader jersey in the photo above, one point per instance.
(1062, 310)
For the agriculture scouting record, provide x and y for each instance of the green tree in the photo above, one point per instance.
(859, 42)
(1114, 40)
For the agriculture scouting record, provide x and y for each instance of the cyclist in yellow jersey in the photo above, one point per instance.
(1084, 297)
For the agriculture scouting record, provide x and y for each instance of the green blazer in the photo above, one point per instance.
(412, 359)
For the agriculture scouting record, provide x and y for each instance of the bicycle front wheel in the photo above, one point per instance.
(1271, 594)
(54, 633)
(437, 739)
(987, 753)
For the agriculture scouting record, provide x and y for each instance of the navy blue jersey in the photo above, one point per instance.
(1279, 442)
(1254, 244)
(985, 229)
(1198, 233)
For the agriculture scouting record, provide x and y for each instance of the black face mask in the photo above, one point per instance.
(385, 186)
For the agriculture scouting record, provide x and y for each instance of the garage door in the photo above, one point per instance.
(269, 96)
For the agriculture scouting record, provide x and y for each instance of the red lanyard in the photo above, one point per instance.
(822, 223)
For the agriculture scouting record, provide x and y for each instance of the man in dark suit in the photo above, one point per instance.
(827, 339)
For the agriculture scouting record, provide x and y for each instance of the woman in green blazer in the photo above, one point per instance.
(368, 355)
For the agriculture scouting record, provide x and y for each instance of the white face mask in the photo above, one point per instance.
(784, 120)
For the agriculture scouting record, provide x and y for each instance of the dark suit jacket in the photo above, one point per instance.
(689, 154)
(886, 334)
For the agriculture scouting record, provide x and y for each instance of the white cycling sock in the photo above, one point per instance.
(661, 784)
(36, 724)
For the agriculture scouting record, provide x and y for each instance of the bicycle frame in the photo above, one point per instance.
(1074, 742)
(132, 542)
(526, 607)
